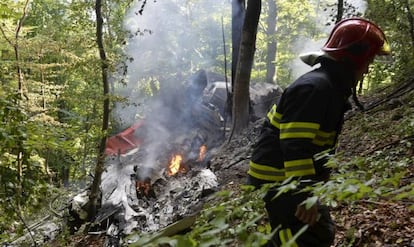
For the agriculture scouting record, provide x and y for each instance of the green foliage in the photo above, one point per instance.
(382, 173)
(57, 127)
(23, 173)
(50, 136)
(362, 178)
(393, 18)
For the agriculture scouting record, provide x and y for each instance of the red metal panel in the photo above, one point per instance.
(124, 141)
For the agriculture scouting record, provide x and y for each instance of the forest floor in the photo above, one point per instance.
(382, 135)
(382, 138)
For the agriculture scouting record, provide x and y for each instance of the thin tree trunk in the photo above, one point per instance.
(340, 10)
(16, 49)
(15, 45)
(108, 12)
(241, 93)
(271, 43)
(42, 83)
(95, 189)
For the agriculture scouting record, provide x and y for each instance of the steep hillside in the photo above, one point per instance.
(377, 148)
(372, 190)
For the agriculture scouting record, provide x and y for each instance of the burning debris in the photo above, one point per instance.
(158, 169)
(175, 165)
(157, 172)
(165, 195)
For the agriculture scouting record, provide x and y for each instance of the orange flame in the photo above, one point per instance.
(202, 153)
(175, 165)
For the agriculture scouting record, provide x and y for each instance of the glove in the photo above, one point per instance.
(308, 216)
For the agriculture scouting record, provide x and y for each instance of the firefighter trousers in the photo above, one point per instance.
(281, 212)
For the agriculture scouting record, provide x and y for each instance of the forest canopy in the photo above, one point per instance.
(51, 96)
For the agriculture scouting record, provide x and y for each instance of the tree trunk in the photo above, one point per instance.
(238, 9)
(271, 43)
(238, 13)
(95, 189)
(340, 11)
(241, 93)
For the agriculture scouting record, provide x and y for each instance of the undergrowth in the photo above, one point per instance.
(375, 163)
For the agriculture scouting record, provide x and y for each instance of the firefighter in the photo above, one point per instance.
(301, 130)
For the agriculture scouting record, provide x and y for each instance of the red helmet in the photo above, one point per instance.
(356, 41)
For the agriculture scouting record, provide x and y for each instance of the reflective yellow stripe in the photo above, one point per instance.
(307, 130)
(285, 235)
(297, 168)
(298, 130)
(324, 134)
(274, 117)
(324, 138)
(266, 172)
(304, 125)
(293, 168)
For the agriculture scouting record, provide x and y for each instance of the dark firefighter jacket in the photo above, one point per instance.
(303, 126)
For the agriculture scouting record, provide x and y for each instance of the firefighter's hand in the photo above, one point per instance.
(308, 216)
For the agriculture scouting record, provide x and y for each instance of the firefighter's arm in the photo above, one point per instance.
(302, 114)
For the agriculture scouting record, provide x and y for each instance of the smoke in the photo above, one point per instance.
(170, 40)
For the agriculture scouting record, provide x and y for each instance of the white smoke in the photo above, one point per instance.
(170, 40)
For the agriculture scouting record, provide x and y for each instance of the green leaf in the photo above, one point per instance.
(310, 202)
